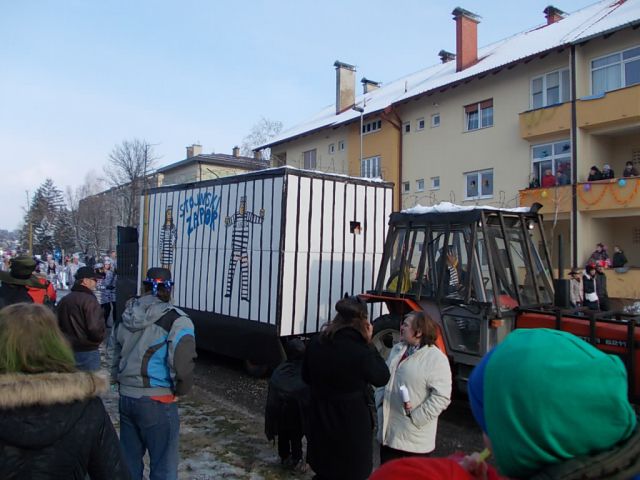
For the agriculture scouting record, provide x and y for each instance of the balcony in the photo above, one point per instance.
(616, 194)
(545, 121)
(552, 199)
(617, 108)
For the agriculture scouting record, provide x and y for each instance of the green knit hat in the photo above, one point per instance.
(550, 396)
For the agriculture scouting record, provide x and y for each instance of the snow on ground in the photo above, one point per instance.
(219, 440)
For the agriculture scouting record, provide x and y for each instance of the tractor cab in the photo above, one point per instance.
(468, 268)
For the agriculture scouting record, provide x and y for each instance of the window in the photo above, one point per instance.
(551, 156)
(617, 70)
(479, 115)
(420, 123)
(420, 185)
(332, 148)
(435, 183)
(310, 159)
(435, 120)
(550, 89)
(406, 127)
(370, 167)
(479, 184)
(371, 127)
(341, 145)
(406, 187)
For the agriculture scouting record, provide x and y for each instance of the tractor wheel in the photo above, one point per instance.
(386, 333)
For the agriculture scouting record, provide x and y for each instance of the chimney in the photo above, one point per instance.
(257, 155)
(236, 151)
(194, 150)
(466, 38)
(345, 86)
(369, 85)
(446, 56)
(553, 14)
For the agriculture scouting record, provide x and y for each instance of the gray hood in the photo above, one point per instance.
(144, 311)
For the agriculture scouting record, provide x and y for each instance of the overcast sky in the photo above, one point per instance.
(77, 77)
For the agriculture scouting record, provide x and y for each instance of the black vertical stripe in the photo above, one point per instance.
(283, 220)
(295, 258)
(238, 273)
(271, 248)
(153, 232)
(306, 297)
(333, 243)
(207, 267)
(353, 256)
(216, 265)
(322, 200)
(344, 239)
(261, 252)
(223, 284)
(194, 253)
(181, 237)
(365, 228)
(376, 226)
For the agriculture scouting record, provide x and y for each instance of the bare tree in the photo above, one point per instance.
(78, 212)
(263, 131)
(130, 163)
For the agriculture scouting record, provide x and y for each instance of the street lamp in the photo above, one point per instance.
(361, 110)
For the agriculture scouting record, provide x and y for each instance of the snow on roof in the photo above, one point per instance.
(596, 19)
(448, 207)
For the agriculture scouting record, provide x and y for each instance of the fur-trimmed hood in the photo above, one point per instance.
(28, 390)
(37, 410)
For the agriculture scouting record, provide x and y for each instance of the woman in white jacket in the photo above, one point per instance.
(407, 423)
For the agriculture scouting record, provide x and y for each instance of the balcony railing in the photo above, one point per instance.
(545, 121)
(614, 194)
(619, 107)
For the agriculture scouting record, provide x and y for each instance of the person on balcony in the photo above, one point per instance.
(600, 256)
(619, 260)
(630, 170)
(607, 172)
(562, 178)
(548, 180)
(594, 174)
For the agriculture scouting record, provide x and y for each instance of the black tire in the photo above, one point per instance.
(256, 370)
(386, 333)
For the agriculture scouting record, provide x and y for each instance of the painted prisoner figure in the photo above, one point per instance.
(168, 237)
(241, 221)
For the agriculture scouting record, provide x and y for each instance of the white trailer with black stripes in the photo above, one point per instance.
(265, 255)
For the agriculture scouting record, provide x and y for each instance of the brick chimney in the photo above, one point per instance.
(446, 56)
(553, 14)
(369, 85)
(236, 151)
(345, 86)
(194, 150)
(466, 38)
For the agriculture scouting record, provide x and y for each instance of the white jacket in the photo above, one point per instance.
(427, 376)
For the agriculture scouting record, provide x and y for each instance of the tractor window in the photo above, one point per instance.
(452, 252)
(416, 247)
(398, 268)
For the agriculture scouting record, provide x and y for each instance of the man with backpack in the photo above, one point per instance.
(153, 359)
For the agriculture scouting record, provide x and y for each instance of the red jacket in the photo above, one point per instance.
(548, 181)
(38, 294)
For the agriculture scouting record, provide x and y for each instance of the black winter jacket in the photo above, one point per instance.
(53, 426)
(287, 401)
(10, 294)
(340, 372)
(81, 319)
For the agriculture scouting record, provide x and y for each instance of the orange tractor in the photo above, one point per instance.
(481, 272)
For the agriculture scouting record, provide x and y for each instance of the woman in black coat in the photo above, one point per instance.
(340, 366)
(53, 425)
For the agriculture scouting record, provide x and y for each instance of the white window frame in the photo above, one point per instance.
(554, 158)
(435, 120)
(313, 158)
(420, 185)
(371, 127)
(418, 122)
(341, 145)
(370, 167)
(406, 187)
(435, 180)
(332, 148)
(563, 96)
(406, 127)
(478, 175)
(621, 62)
(479, 110)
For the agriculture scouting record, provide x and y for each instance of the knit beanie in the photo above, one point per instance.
(545, 396)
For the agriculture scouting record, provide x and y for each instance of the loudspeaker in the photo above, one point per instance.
(562, 296)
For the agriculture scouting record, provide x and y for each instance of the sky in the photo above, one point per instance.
(78, 77)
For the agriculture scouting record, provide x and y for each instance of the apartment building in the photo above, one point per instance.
(485, 124)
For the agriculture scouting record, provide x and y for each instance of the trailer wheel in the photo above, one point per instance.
(386, 333)
(257, 370)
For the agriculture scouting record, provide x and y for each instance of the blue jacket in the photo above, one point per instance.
(154, 349)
